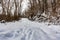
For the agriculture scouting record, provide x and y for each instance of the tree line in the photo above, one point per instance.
(48, 9)
(7, 6)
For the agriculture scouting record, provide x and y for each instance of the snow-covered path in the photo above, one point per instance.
(28, 30)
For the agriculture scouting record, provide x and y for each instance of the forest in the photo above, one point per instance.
(37, 10)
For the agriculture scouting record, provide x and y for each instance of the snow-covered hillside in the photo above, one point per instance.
(28, 30)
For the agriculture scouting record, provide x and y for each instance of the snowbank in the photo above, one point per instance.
(28, 30)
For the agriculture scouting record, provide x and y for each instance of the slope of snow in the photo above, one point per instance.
(28, 30)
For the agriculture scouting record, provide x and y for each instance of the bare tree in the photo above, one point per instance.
(9, 9)
(33, 9)
(54, 8)
(3, 8)
(17, 8)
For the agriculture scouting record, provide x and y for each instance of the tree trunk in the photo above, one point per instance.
(3, 8)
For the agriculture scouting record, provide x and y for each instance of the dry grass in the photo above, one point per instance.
(8, 18)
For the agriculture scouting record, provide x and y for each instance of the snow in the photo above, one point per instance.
(25, 29)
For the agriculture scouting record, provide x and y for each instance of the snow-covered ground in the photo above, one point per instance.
(28, 30)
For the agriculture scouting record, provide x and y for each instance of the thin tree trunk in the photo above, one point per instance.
(3, 8)
(8, 9)
(54, 13)
(15, 13)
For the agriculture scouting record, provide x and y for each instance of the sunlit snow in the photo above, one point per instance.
(28, 30)
(25, 29)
